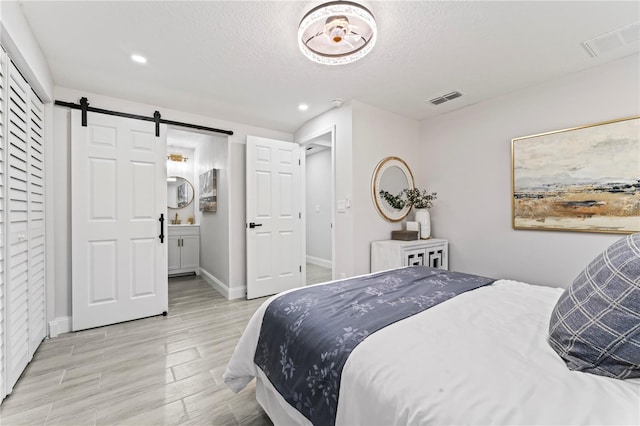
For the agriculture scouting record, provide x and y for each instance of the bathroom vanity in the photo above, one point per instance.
(184, 249)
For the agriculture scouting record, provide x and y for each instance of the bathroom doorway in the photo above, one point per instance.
(319, 206)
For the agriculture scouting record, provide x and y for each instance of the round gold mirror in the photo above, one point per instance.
(391, 176)
(179, 192)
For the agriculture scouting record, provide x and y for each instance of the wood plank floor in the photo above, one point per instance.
(317, 274)
(153, 371)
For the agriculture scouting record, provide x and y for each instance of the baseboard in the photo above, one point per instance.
(59, 326)
(320, 262)
(222, 288)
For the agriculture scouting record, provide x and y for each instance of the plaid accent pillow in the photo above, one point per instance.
(595, 326)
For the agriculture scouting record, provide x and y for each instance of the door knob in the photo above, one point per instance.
(254, 225)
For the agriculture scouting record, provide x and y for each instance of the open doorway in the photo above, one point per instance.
(319, 196)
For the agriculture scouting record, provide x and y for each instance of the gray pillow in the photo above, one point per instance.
(595, 326)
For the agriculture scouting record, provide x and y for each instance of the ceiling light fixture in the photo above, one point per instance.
(139, 59)
(303, 107)
(337, 33)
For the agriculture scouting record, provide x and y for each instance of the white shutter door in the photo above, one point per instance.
(17, 244)
(35, 161)
(3, 98)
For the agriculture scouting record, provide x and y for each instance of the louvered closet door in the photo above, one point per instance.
(3, 99)
(35, 178)
(24, 297)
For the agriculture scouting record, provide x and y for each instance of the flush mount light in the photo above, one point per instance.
(303, 107)
(337, 33)
(139, 59)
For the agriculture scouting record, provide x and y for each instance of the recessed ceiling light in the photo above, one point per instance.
(139, 59)
(303, 107)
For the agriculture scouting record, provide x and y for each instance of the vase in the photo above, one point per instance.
(423, 217)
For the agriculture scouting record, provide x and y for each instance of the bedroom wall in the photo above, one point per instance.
(318, 205)
(364, 136)
(60, 189)
(466, 158)
(340, 119)
(377, 134)
(18, 40)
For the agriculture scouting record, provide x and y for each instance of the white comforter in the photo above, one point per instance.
(480, 358)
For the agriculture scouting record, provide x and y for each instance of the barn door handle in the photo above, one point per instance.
(254, 225)
(161, 228)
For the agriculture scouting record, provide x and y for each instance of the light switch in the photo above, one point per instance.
(317, 208)
(341, 206)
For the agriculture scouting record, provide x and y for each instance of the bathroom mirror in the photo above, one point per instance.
(179, 192)
(392, 175)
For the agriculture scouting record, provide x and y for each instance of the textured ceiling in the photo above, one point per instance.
(239, 60)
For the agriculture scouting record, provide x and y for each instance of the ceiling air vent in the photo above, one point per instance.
(444, 98)
(612, 40)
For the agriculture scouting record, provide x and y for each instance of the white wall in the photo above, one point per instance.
(465, 156)
(341, 120)
(377, 134)
(184, 170)
(214, 226)
(364, 136)
(59, 189)
(18, 40)
(318, 205)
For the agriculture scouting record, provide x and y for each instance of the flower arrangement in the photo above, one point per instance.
(419, 199)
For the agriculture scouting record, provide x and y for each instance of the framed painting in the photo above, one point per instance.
(209, 191)
(580, 179)
(182, 195)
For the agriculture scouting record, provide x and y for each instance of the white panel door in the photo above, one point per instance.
(119, 266)
(274, 238)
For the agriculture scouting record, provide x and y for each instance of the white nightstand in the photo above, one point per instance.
(390, 254)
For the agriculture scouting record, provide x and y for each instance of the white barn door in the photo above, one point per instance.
(119, 263)
(274, 205)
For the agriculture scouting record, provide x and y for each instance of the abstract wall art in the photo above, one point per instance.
(585, 178)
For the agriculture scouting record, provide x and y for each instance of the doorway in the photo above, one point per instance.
(319, 206)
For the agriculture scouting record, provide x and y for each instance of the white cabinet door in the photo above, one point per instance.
(119, 268)
(174, 252)
(190, 251)
(274, 237)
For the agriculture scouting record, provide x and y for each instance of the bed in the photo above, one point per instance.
(480, 357)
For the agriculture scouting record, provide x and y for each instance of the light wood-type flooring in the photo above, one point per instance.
(153, 371)
(317, 274)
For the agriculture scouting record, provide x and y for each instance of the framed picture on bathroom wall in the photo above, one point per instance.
(209, 191)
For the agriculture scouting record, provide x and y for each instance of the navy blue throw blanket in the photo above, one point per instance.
(307, 335)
